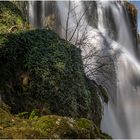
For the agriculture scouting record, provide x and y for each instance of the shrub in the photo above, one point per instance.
(44, 71)
(10, 17)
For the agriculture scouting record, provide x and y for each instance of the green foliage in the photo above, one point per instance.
(34, 114)
(54, 72)
(23, 115)
(10, 17)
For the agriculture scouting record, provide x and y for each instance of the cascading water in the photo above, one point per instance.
(121, 118)
(123, 113)
(31, 19)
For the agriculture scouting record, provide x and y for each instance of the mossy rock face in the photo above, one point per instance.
(49, 127)
(64, 127)
(40, 70)
(11, 18)
(132, 15)
(16, 132)
(5, 118)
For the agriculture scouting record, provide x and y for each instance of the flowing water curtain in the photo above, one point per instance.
(126, 101)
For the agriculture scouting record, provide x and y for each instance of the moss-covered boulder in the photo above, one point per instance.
(11, 18)
(40, 70)
(49, 127)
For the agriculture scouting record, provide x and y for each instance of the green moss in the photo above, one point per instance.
(64, 127)
(84, 123)
(20, 133)
(5, 118)
(10, 17)
(48, 127)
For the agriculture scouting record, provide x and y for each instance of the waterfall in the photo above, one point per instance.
(31, 13)
(113, 37)
(123, 115)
